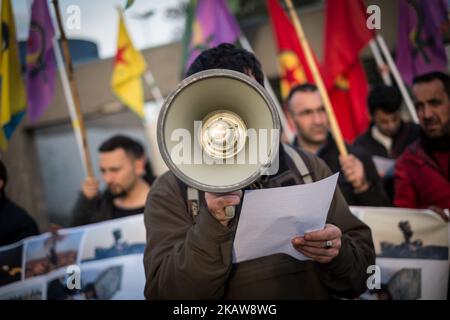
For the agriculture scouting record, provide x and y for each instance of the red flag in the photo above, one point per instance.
(346, 34)
(293, 66)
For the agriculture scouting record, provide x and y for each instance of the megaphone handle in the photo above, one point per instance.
(229, 212)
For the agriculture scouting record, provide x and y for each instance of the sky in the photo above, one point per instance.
(99, 22)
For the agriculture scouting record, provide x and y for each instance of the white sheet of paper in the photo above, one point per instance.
(270, 218)
(382, 164)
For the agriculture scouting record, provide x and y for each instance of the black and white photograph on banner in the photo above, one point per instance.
(412, 234)
(96, 284)
(11, 264)
(52, 251)
(116, 238)
(132, 277)
(117, 278)
(399, 284)
(412, 253)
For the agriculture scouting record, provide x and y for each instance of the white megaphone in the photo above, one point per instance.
(218, 131)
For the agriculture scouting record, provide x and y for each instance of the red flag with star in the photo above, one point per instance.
(346, 34)
(293, 66)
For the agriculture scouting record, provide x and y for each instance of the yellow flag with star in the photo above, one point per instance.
(129, 67)
(13, 99)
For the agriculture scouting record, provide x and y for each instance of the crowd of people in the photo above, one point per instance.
(186, 251)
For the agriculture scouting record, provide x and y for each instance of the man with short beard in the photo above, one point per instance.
(422, 172)
(359, 180)
(125, 172)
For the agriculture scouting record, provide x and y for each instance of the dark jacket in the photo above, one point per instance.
(92, 210)
(375, 195)
(15, 223)
(99, 209)
(407, 134)
(191, 258)
(419, 181)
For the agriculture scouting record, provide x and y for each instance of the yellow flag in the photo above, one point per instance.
(129, 66)
(13, 98)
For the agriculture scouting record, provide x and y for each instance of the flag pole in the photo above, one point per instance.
(284, 124)
(382, 67)
(335, 130)
(71, 92)
(398, 79)
(150, 123)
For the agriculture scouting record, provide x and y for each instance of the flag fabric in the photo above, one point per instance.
(346, 35)
(420, 45)
(292, 62)
(129, 66)
(212, 24)
(40, 59)
(13, 96)
(186, 40)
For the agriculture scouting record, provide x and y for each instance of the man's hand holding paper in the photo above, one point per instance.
(274, 220)
(322, 245)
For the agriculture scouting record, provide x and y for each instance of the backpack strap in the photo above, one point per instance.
(193, 201)
(299, 163)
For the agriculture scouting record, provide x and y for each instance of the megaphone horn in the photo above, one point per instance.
(211, 127)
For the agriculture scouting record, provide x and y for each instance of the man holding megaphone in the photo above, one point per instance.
(192, 211)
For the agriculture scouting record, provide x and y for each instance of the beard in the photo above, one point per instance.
(313, 139)
(118, 191)
(437, 143)
(390, 133)
(440, 130)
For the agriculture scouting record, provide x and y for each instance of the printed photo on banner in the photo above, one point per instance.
(113, 239)
(52, 251)
(412, 248)
(96, 284)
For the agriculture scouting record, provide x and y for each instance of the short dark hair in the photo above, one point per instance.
(129, 145)
(304, 87)
(228, 56)
(435, 75)
(3, 176)
(385, 98)
(132, 148)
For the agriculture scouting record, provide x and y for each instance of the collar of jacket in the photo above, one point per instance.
(327, 146)
(386, 141)
(422, 156)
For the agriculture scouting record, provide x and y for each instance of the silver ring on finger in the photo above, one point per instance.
(328, 244)
(229, 212)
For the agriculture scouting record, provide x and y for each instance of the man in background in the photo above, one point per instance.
(388, 135)
(422, 173)
(126, 174)
(15, 223)
(359, 181)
